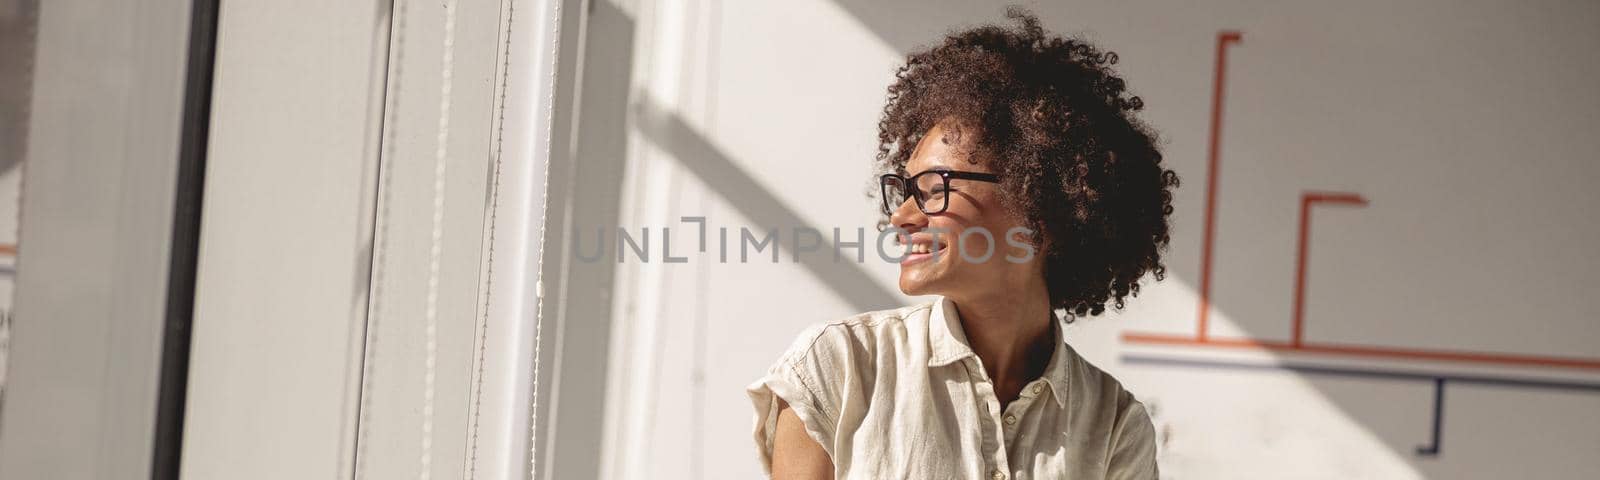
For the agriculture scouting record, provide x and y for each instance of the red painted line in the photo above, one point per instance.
(1297, 331)
(1296, 342)
(1364, 351)
(1212, 161)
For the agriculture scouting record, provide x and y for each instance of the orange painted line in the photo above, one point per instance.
(1212, 165)
(1365, 351)
(8, 249)
(1297, 331)
(1297, 343)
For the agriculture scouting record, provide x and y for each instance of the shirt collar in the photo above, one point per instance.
(1060, 361)
(947, 344)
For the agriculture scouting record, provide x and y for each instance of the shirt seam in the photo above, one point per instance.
(872, 321)
(807, 383)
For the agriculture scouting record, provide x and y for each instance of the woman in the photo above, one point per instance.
(998, 135)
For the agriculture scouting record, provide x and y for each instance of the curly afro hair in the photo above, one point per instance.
(1057, 122)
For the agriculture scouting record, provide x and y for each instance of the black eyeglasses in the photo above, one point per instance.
(929, 188)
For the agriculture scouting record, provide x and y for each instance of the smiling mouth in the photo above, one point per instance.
(920, 252)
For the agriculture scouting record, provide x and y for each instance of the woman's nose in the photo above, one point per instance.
(907, 216)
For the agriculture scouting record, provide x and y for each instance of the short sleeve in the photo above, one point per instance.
(1133, 449)
(792, 379)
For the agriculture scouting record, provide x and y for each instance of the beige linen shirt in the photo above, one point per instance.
(899, 394)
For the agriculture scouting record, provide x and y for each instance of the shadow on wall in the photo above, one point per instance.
(588, 169)
(848, 280)
(18, 24)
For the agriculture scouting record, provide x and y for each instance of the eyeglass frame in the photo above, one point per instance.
(909, 184)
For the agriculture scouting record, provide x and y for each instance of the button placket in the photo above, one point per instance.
(995, 437)
(1015, 413)
(1013, 416)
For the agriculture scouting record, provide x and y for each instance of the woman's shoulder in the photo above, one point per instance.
(1118, 417)
(829, 358)
(858, 336)
(1092, 380)
(1100, 391)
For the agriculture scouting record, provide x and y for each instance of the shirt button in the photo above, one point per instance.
(997, 475)
(1038, 389)
(1011, 419)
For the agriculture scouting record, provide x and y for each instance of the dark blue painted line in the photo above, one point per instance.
(1429, 450)
(1393, 374)
(1432, 449)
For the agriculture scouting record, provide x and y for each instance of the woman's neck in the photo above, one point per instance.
(1011, 333)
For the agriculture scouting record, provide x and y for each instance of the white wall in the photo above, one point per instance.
(1465, 124)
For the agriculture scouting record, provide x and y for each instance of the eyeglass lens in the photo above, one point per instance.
(929, 192)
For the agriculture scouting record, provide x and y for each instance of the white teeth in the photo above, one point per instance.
(922, 248)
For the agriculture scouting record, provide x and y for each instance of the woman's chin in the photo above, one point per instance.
(916, 283)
